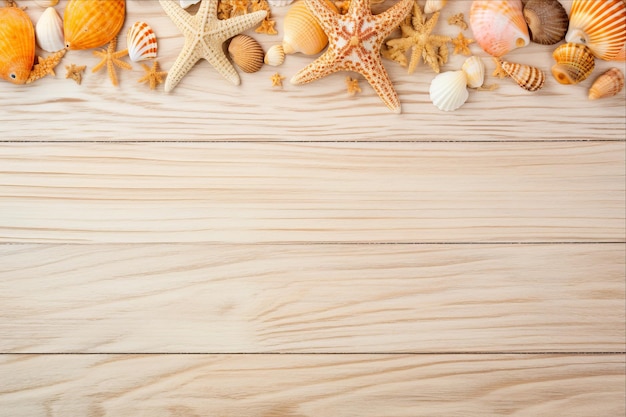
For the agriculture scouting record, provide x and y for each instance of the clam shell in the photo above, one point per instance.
(474, 69)
(528, 77)
(17, 45)
(141, 42)
(599, 24)
(574, 63)
(302, 32)
(433, 6)
(275, 56)
(46, 3)
(279, 3)
(608, 84)
(92, 23)
(246, 53)
(448, 90)
(186, 3)
(547, 21)
(49, 31)
(499, 25)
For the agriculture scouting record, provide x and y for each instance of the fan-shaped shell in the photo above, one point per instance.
(302, 32)
(448, 90)
(499, 25)
(574, 63)
(433, 6)
(246, 53)
(92, 23)
(599, 24)
(608, 84)
(528, 77)
(141, 42)
(621, 56)
(275, 56)
(49, 31)
(17, 45)
(474, 69)
(547, 21)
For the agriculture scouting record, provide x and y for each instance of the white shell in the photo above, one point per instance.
(49, 31)
(186, 3)
(275, 56)
(141, 42)
(279, 3)
(433, 6)
(448, 90)
(474, 69)
(46, 3)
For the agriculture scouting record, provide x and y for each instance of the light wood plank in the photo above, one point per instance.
(206, 107)
(312, 298)
(269, 192)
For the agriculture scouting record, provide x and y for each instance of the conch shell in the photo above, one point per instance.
(17, 45)
(574, 63)
(528, 77)
(499, 25)
(608, 84)
(92, 23)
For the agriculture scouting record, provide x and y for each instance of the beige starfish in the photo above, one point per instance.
(204, 35)
(152, 76)
(45, 66)
(352, 85)
(459, 20)
(277, 80)
(75, 72)
(354, 45)
(111, 58)
(461, 44)
(267, 27)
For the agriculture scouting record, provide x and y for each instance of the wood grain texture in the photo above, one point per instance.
(206, 107)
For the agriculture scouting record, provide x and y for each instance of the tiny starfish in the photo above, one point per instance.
(459, 20)
(499, 71)
(224, 10)
(75, 72)
(267, 27)
(153, 76)
(353, 85)
(461, 44)
(277, 80)
(111, 58)
(45, 66)
(239, 7)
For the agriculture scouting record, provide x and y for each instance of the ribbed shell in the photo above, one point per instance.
(499, 25)
(528, 77)
(141, 42)
(302, 32)
(275, 56)
(574, 63)
(448, 90)
(474, 69)
(547, 21)
(246, 53)
(49, 31)
(279, 3)
(17, 45)
(46, 3)
(92, 23)
(599, 24)
(433, 6)
(608, 84)
(621, 56)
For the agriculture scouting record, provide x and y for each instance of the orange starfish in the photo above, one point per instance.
(461, 44)
(111, 58)
(153, 76)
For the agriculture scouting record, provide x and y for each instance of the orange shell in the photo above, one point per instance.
(499, 26)
(17, 45)
(302, 31)
(92, 23)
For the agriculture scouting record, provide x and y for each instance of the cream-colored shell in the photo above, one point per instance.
(246, 52)
(528, 77)
(46, 3)
(279, 3)
(275, 56)
(302, 31)
(574, 63)
(474, 69)
(499, 25)
(608, 84)
(49, 31)
(448, 90)
(433, 6)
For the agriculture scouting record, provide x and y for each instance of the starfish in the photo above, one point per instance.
(75, 72)
(152, 76)
(459, 20)
(461, 44)
(45, 66)
(112, 59)
(354, 43)
(277, 80)
(204, 35)
(499, 71)
(267, 27)
(353, 85)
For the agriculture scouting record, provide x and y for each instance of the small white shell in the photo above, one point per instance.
(279, 3)
(186, 3)
(49, 31)
(474, 69)
(275, 56)
(448, 90)
(46, 3)
(433, 6)
(141, 42)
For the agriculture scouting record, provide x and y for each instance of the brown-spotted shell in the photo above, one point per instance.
(574, 63)
(246, 52)
(608, 84)
(92, 23)
(17, 45)
(302, 31)
(547, 21)
(528, 77)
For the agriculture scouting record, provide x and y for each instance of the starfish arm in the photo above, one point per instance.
(99, 65)
(122, 64)
(207, 11)
(325, 15)
(395, 14)
(183, 20)
(381, 83)
(112, 74)
(213, 53)
(185, 61)
(416, 55)
(235, 25)
(317, 69)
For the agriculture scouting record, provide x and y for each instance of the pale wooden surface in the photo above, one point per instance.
(369, 264)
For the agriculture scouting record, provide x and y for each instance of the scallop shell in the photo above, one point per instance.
(17, 45)
(46, 3)
(275, 56)
(49, 31)
(303, 32)
(92, 23)
(474, 69)
(608, 84)
(499, 25)
(574, 63)
(433, 6)
(186, 3)
(448, 90)
(141, 42)
(547, 21)
(279, 3)
(528, 77)
(599, 24)
(621, 56)
(246, 53)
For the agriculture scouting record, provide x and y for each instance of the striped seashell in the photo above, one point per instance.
(574, 63)
(599, 24)
(49, 31)
(547, 21)
(499, 25)
(433, 6)
(17, 45)
(92, 23)
(246, 53)
(448, 90)
(302, 31)
(621, 56)
(46, 3)
(474, 69)
(275, 56)
(141, 42)
(608, 84)
(527, 77)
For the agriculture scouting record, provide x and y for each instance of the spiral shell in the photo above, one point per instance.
(574, 63)
(141, 42)
(17, 45)
(527, 77)
(608, 84)
(448, 90)
(46, 3)
(599, 24)
(547, 21)
(92, 23)
(474, 69)
(433, 6)
(246, 53)
(499, 25)
(275, 56)
(49, 31)
(302, 31)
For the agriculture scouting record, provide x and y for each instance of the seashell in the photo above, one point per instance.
(527, 77)
(46, 3)
(49, 31)
(92, 23)
(547, 21)
(474, 69)
(433, 6)
(141, 42)
(448, 90)
(186, 3)
(599, 24)
(275, 56)
(621, 56)
(303, 32)
(499, 25)
(608, 84)
(279, 3)
(17, 45)
(574, 63)
(246, 53)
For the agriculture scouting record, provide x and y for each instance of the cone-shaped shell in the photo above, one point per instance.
(574, 63)
(49, 31)
(527, 77)
(599, 24)
(92, 23)
(302, 31)
(246, 53)
(608, 84)
(474, 70)
(448, 90)
(499, 25)
(547, 21)
(17, 45)
(141, 42)
(275, 56)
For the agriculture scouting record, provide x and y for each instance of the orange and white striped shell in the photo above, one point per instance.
(574, 63)
(528, 77)
(17, 45)
(302, 31)
(141, 42)
(92, 23)
(599, 24)
(608, 84)
(499, 25)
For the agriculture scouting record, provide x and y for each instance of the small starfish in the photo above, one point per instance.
(260, 5)
(239, 7)
(461, 44)
(112, 58)
(459, 20)
(45, 66)
(499, 71)
(224, 10)
(342, 6)
(75, 72)
(153, 76)
(204, 35)
(277, 80)
(267, 27)
(353, 85)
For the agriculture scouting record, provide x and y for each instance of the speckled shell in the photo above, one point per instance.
(547, 21)
(141, 42)
(528, 77)
(499, 25)
(433, 6)
(302, 32)
(246, 53)
(92, 23)
(608, 84)
(46, 3)
(599, 24)
(275, 56)
(448, 90)
(474, 69)
(49, 31)
(574, 63)
(17, 45)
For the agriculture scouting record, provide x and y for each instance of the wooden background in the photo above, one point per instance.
(253, 251)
